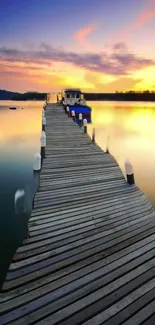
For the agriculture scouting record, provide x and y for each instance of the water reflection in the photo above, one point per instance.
(131, 127)
(19, 141)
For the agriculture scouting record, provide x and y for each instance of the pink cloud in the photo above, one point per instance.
(141, 19)
(145, 15)
(119, 62)
(81, 35)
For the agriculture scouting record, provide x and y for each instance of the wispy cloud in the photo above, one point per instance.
(81, 35)
(119, 62)
(143, 17)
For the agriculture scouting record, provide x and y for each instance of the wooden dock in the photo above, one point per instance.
(91, 255)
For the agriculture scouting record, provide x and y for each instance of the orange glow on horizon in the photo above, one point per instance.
(47, 78)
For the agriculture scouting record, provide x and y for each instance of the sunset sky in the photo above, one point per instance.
(97, 45)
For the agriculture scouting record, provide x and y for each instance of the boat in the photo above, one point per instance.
(12, 107)
(74, 99)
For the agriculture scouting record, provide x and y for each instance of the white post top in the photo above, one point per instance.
(85, 122)
(44, 120)
(128, 167)
(43, 139)
(37, 162)
(80, 116)
(73, 113)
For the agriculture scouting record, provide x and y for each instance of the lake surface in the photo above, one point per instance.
(130, 126)
(20, 132)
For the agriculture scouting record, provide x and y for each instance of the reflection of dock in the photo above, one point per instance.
(90, 258)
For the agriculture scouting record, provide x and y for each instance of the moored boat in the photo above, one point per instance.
(74, 99)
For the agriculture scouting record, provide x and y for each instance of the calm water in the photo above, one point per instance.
(19, 141)
(130, 126)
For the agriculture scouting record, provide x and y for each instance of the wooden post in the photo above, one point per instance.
(129, 172)
(43, 145)
(43, 123)
(85, 125)
(67, 110)
(37, 162)
(73, 115)
(107, 149)
(93, 135)
(36, 174)
(80, 119)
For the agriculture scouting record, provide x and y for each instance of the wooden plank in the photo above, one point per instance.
(133, 309)
(88, 266)
(70, 257)
(69, 238)
(106, 220)
(80, 213)
(67, 247)
(87, 279)
(64, 315)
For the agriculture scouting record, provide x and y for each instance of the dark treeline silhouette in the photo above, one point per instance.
(122, 96)
(29, 96)
(9, 95)
(117, 96)
(6, 95)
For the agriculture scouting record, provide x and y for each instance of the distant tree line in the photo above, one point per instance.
(29, 96)
(9, 95)
(117, 96)
(122, 96)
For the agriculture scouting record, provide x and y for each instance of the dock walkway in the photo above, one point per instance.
(91, 255)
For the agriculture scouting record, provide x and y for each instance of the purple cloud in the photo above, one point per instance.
(118, 62)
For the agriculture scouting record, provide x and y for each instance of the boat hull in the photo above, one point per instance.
(83, 109)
